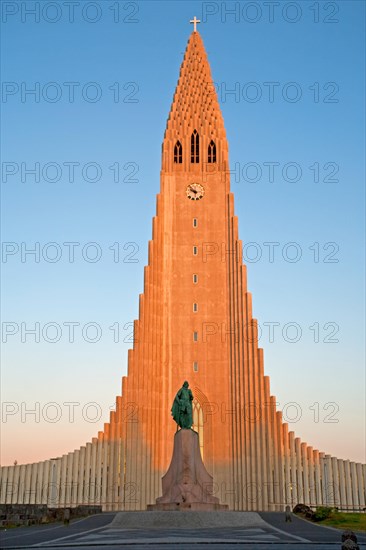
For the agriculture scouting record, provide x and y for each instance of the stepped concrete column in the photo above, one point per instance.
(293, 488)
(361, 485)
(354, 485)
(23, 468)
(347, 471)
(33, 487)
(10, 485)
(342, 485)
(317, 479)
(336, 482)
(26, 488)
(310, 459)
(299, 472)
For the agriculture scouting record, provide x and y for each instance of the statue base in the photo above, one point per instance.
(187, 485)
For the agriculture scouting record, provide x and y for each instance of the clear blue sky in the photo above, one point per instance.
(297, 109)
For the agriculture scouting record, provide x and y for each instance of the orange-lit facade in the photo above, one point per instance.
(195, 323)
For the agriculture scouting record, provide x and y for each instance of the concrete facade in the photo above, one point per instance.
(195, 322)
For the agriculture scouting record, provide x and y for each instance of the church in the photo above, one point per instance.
(195, 323)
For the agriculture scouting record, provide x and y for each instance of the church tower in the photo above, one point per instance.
(187, 307)
(195, 323)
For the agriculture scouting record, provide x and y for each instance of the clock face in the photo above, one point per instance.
(195, 191)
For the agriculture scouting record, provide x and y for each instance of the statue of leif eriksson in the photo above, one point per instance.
(182, 407)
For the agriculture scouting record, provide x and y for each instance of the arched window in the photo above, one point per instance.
(178, 153)
(211, 152)
(195, 147)
(198, 422)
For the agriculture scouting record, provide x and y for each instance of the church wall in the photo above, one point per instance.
(330, 482)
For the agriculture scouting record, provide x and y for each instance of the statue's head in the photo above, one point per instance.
(185, 384)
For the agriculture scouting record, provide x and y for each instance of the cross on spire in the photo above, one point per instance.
(195, 21)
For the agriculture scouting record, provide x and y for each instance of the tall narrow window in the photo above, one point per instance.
(195, 366)
(195, 147)
(211, 152)
(178, 153)
(195, 222)
(195, 250)
(195, 308)
(195, 336)
(195, 278)
(197, 425)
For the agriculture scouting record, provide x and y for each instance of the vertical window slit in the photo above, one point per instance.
(211, 156)
(178, 153)
(195, 147)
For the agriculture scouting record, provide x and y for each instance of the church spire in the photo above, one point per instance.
(195, 108)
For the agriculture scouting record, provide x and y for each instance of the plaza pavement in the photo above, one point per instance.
(167, 530)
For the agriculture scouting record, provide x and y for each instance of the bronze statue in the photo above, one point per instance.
(182, 407)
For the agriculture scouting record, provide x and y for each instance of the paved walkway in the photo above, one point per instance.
(167, 530)
(306, 529)
(26, 537)
(186, 520)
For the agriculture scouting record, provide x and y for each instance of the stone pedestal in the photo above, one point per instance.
(187, 485)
